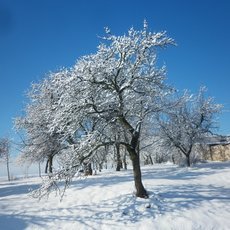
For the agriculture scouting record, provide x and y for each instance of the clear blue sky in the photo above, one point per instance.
(38, 36)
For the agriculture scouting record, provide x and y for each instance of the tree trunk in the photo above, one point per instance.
(39, 169)
(140, 190)
(173, 159)
(151, 160)
(133, 150)
(210, 151)
(49, 165)
(188, 160)
(118, 156)
(148, 160)
(100, 166)
(88, 169)
(46, 168)
(8, 166)
(124, 161)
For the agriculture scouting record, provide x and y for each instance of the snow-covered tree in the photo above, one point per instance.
(153, 150)
(186, 124)
(114, 92)
(120, 86)
(38, 144)
(5, 153)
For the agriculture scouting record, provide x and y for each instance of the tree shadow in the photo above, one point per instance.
(17, 189)
(126, 208)
(184, 173)
(12, 222)
(213, 165)
(102, 181)
(191, 196)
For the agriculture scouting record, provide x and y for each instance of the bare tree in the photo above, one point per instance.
(184, 126)
(5, 153)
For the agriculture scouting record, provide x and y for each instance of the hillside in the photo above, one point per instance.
(180, 198)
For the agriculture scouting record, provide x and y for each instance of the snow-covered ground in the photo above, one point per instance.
(180, 198)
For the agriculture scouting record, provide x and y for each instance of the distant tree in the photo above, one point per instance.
(188, 123)
(38, 143)
(5, 153)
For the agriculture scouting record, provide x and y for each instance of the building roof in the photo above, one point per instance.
(217, 140)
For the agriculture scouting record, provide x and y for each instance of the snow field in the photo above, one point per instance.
(180, 199)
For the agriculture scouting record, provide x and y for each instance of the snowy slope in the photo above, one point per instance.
(180, 198)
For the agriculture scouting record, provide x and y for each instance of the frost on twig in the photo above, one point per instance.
(55, 183)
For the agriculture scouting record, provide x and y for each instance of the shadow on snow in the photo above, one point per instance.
(12, 222)
(17, 190)
(164, 199)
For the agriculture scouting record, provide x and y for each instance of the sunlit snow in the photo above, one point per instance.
(180, 198)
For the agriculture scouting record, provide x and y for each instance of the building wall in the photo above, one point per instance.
(219, 152)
